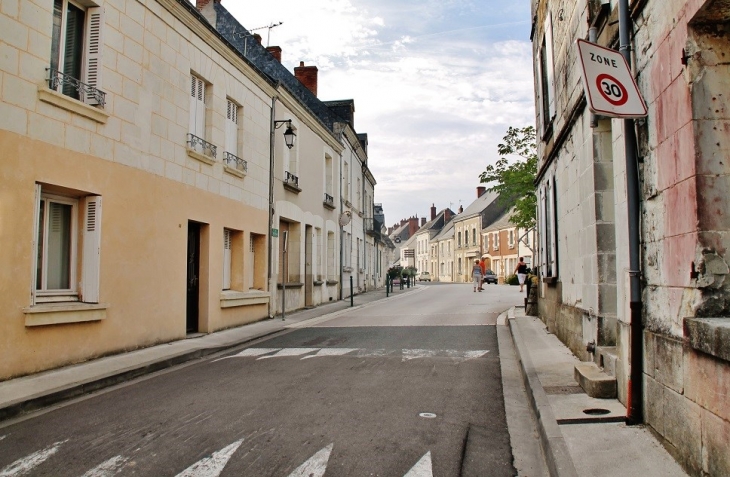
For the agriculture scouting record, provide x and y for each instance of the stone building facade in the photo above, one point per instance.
(680, 62)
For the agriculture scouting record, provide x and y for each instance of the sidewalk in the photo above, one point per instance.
(40, 390)
(575, 443)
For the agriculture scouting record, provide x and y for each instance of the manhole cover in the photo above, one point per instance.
(596, 412)
(563, 390)
(427, 415)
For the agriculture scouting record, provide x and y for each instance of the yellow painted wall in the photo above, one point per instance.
(143, 256)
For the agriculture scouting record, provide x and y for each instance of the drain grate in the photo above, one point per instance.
(563, 390)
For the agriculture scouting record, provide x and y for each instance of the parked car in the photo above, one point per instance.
(424, 277)
(490, 277)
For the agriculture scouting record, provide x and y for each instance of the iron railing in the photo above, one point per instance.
(329, 200)
(291, 179)
(69, 84)
(235, 162)
(372, 227)
(206, 148)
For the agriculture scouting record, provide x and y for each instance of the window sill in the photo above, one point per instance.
(233, 298)
(62, 313)
(550, 281)
(329, 206)
(318, 282)
(292, 187)
(709, 335)
(70, 104)
(290, 285)
(234, 172)
(332, 282)
(200, 157)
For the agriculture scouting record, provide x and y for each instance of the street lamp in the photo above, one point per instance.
(289, 134)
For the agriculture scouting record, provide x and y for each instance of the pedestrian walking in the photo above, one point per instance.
(483, 266)
(476, 275)
(521, 272)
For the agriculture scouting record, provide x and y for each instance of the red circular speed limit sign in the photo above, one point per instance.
(612, 90)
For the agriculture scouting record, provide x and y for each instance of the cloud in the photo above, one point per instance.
(436, 84)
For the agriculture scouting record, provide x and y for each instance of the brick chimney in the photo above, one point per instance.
(307, 75)
(480, 191)
(257, 37)
(447, 216)
(207, 9)
(433, 211)
(275, 52)
(423, 221)
(412, 226)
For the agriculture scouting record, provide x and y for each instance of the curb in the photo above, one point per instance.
(558, 459)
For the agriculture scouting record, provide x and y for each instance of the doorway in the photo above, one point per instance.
(193, 278)
(308, 276)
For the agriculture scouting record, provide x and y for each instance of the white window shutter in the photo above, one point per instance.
(226, 259)
(91, 263)
(197, 106)
(550, 64)
(232, 128)
(250, 263)
(93, 49)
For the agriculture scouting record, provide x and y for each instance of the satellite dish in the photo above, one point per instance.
(397, 240)
(345, 218)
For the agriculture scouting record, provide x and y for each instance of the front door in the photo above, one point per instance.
(193, 277)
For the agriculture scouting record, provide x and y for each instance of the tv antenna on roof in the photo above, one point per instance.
(269, 26)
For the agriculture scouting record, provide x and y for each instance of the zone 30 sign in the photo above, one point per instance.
(608, 83)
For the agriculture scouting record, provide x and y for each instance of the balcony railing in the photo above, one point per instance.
(71, 86)
(291, 179)
(234, 161)
(329, 201)
(198, 144)
(372, 227)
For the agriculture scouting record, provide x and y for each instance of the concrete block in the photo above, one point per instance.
(709, 335)
(594, 381)
(14, 119)
(654, 404)
(683, 429)
(14, 32)
(707, 383)
(668, 363)
(715, 436)
(45, 129)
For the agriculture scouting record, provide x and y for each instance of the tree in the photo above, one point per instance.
(515, 180)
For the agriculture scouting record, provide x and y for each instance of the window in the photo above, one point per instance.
(458, 242)
(61, 246)
(474, 236)
(226, 259)
(547, 225)
(495, 241)
(346, 180)
(329, 174)
(512, 238)
(232, 111)
(76, 46)
(331, 262)
(546, 75)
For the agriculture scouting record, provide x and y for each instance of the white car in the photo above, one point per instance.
(424, 277)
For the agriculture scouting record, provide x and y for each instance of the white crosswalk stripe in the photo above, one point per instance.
(25, 464)
(316, 465)
(423, 467)
(108, 468)
(211, 466)
(406, 354)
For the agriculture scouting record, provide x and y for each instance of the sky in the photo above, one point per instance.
(436, 84)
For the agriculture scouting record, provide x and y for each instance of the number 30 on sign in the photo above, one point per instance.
(608, 83)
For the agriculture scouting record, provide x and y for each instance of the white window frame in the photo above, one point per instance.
(227, 239)
(197, 106)
(233, 143)
(84, 258)
(92, 49)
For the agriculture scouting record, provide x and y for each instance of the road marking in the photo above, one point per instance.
(315, 466)
(108, 468)
(211, 466)
(25, 464)
(332, 352)
(406, 354)
(423, 467)
(286, 352)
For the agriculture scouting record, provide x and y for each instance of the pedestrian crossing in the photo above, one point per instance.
(211, 466)
(310, 353)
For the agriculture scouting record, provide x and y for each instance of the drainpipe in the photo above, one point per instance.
(635, 411)
(272, 286)
(342, 211)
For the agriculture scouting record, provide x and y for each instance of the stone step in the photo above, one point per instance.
(605, 358)
(594, 381)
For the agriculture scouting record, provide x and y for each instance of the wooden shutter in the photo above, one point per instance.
(93, 49)
(91, 253)
(226, 259)
(232, 128)
(251, 261)
(550, 65)
(197, 106)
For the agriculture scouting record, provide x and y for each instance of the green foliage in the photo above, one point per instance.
(394, 272)
(514, 180)
(410, 272)
(512, 280)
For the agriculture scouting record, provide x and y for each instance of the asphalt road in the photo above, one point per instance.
(408, 386)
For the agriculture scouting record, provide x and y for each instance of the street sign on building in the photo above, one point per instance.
(609, 85)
